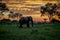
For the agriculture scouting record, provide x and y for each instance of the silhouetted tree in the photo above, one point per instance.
(3, 7)
(13, 15)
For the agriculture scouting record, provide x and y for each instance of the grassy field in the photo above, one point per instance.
(40, 31)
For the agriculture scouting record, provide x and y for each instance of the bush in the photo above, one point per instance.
(5, 21)
(15, 22)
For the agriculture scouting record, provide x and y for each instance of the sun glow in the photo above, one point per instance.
(27, 8)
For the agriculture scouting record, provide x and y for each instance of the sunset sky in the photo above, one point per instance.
(27, 7)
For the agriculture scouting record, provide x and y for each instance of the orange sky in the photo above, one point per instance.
(27, 7)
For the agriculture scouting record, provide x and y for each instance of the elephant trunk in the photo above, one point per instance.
(32, 22)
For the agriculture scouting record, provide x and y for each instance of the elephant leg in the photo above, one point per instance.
(28, 25)
(20, 26)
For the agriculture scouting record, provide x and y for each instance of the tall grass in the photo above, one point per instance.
(40, 31)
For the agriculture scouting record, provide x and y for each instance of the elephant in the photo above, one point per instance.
(25, 20)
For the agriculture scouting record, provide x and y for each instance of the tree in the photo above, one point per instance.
(13, 15)
(3, 7)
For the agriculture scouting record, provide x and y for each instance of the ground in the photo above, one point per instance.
(40, 31)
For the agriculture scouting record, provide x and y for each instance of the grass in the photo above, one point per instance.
(40, 31)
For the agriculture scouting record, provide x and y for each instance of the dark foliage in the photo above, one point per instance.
(3, 7)
(5, 21)
(55, 21)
